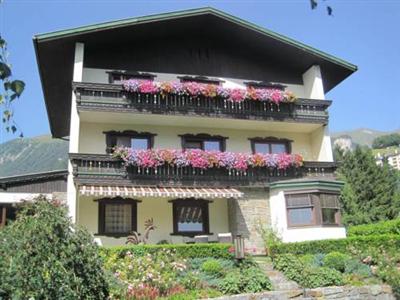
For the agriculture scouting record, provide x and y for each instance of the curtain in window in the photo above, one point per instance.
(118, 218)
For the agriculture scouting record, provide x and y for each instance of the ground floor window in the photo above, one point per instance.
(313, 208)
(190, 217)
(117, 216)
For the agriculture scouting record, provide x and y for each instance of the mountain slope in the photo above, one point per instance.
(362, 136)
(31, 155)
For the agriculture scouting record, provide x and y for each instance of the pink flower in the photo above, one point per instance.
(237, 95)
(148, 87)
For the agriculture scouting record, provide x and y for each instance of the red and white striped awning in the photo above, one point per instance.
(144, 191)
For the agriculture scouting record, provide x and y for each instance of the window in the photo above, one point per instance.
(204, 142)
(129, 138)
(300, 210)
(330, 209)
(117, 216)
(119, 76)
(270, 145)
(307, 209)
(201, 79)
(190, 217)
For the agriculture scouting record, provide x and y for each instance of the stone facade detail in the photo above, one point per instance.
(247, 215)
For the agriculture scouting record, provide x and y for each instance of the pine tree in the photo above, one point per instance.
(371, 192)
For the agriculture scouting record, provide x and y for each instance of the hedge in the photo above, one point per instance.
(361, 243)
(384, 227)
(183, 250)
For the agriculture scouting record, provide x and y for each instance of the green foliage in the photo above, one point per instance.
(305, 274)
(212, 266)
(181, 250)
(383, 227)
(44, 256)
(249, 280)
(336, 260)
(371, 192)
(385, 141)
(269, 236)
(348, 245)
(353, 266)
(12, 89)
(320, 277)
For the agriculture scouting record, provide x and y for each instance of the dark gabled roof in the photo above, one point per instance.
(54, 53)
(31, 177)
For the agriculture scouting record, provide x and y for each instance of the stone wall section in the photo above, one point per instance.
(368, 292)
(247, 215)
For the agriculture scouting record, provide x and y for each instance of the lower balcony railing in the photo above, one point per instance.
(112, 97)
(99, 168)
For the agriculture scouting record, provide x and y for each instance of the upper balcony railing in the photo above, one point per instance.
(113, 97)
(104, 169)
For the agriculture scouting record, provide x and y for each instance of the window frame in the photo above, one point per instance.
(316, 204)
(102, 203)
(112, 138)
(311, 205)
(126, 75)
(191, 202)
(201, 138)
(271, 140)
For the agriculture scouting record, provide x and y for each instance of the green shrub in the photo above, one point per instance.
(249, 280)
(314, 260)
(348, 245)
(290, 265)
(384, 227)
(320, 277)
(44, 256)
(182, 250)
(355, 267)
(336, 260)
(306, 275)
(212, 266)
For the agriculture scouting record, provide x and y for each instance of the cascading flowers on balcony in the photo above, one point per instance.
(201, 159)
(196, 89)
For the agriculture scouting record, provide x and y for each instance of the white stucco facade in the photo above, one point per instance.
(87, 129)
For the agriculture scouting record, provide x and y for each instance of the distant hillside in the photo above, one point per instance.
(362, 136)
(30, 155)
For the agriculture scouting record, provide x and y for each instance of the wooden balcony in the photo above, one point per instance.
(104, 169)
(113, 98)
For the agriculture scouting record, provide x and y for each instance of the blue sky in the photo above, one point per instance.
(364, 32)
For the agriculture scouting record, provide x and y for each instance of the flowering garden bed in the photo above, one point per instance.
(195, 89)
(165, 271)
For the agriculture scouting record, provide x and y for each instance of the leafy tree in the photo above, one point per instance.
(11, 90)
(386, 141)
(371, 192)
(44, 256)
(314, 5)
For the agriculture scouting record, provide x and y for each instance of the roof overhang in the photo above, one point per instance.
(55, 52)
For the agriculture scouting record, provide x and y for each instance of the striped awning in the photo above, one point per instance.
(144, 191)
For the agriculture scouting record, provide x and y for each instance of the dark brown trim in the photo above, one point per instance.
(201, 137)
(125, 75)
(112, 135)
(265, 85)
(200, 79)
(270, 140)
(194, 203)
(101, 216)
